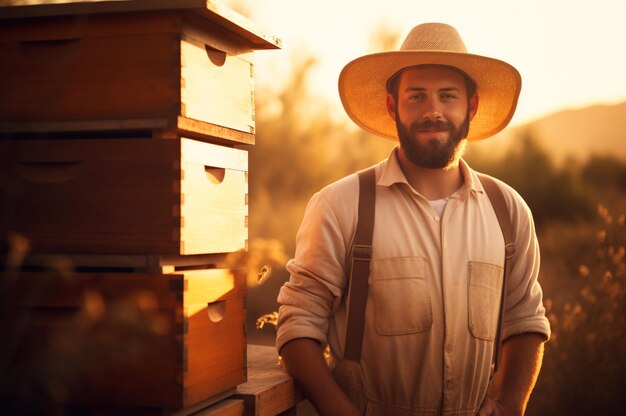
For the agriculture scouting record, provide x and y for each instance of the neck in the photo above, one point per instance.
(433, 184)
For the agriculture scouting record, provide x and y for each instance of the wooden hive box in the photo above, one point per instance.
(165, 68)
(125, 196)
(125, 339)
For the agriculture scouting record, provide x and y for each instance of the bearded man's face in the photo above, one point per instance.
(432, 116)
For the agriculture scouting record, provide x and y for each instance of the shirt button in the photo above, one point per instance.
(436, 218)
(449, 348)
(449, 384)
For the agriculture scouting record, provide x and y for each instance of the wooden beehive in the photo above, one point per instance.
(177, 196)
(128, 339)
(85, 87)
(167, 68)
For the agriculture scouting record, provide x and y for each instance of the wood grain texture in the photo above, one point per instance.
(163, 64)
(210, 370)
(214, 208)
(130, 339)
(211, 12)
(204, 131)
(81, 26)
(269, 389)
(217, 87)
(90, 78)
(224, 408)
(125, 196)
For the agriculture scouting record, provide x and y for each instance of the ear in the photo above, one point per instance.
(473, 106)
(391, 106)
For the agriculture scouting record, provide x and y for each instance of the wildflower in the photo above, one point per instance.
(265, 272)
(583, 270)
(268, 318)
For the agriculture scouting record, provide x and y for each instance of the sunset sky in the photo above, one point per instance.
(569, 52)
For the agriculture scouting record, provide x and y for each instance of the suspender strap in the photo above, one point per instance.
(361, 257)
(504, 219)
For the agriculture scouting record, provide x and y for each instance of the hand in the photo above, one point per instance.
(491, 407)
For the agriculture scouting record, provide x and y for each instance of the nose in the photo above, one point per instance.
(432, 110)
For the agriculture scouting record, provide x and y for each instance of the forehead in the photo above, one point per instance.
(432, 75)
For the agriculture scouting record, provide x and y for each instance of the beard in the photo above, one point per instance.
(435, 153)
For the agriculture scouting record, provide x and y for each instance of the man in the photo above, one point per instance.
(436, 272)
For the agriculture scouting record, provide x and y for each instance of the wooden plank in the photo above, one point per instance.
(160, 128)
(214, 221)
(212, 155)
(216, 87)
(118, 347)
(90, 79)
(82, 178)
(101, 125)
(78, 7)
(82, 26)
(213, 198)
(269, 389)
(215, 310)
(144, 196)
(137, 263)
(240, 25)
(228, 407)
(218, 14)
(198, 129)
(151, 336)
(195, 27)
(68, 290)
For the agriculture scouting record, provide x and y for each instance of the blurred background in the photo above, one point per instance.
(563, 152)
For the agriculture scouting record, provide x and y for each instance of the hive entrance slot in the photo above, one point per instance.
(215, 175)
(217, 57)
(216, 310)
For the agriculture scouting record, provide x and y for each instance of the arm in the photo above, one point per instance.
(525, 327)
(308, 301)
(511, 386)
(304, 361)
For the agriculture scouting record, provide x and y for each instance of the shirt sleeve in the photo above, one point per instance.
(317, 280)
(524, 311)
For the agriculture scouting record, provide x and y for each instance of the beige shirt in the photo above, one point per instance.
(434, 291)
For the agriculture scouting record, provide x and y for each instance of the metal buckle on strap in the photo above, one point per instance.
(360, 252)
(509, 251)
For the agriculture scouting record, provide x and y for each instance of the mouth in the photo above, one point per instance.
(432, 130)
(429, 126)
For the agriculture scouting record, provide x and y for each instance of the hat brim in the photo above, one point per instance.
(363, 93)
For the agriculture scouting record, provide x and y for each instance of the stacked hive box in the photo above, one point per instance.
(121, 124)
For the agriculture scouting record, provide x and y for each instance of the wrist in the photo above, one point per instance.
(341, 406)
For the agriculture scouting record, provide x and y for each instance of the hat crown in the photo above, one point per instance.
(434, 37)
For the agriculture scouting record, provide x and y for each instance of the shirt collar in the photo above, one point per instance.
(392, 174)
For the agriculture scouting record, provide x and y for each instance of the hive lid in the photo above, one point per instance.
(218, 14)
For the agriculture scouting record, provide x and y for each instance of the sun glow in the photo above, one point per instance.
(567, 52)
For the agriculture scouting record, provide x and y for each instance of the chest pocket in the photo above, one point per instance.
(483, 291)
(401, 296)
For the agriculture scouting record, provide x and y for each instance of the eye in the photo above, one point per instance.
(448, 97)
(417, 97)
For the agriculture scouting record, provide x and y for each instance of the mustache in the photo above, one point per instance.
(432, 125)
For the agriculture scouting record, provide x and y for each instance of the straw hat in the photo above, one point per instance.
(362, 83)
